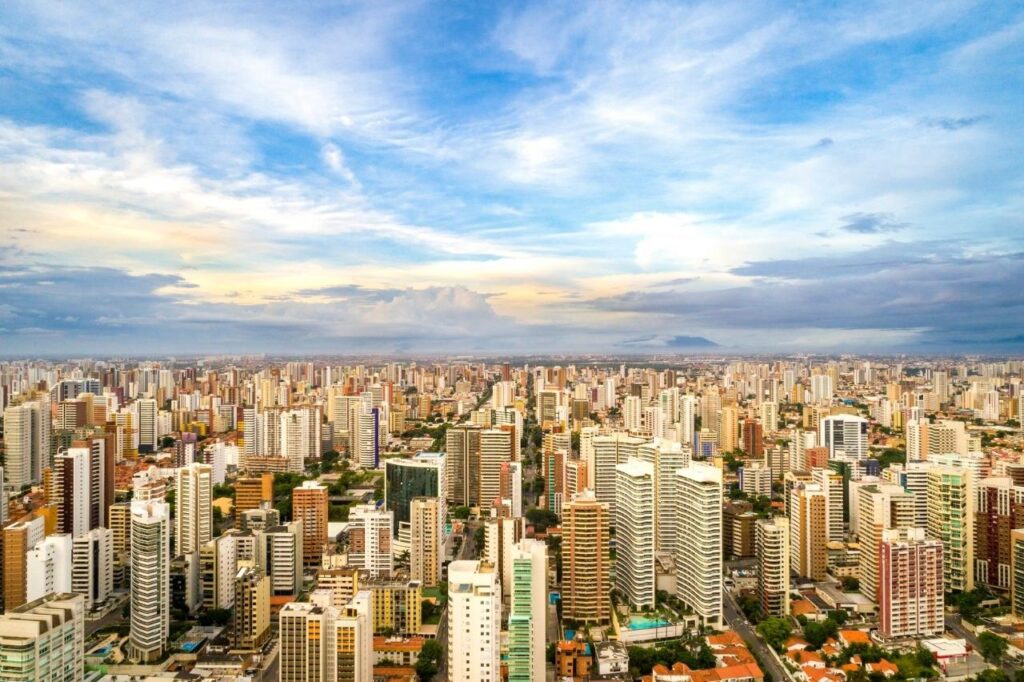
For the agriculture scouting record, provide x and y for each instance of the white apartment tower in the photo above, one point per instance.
(635, 528)
(150, 586)
(845, 436)
(193, 523)
(698, 556)
(474, 627)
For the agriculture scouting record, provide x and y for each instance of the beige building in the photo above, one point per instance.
(44, 641)
(772, 549)
(880, 507)
(585, 560)
(808, 531)
(425, 543)
(251, 617)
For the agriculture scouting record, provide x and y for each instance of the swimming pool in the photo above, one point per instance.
(643, 623)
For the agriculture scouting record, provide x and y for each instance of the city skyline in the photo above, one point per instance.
(411, 178)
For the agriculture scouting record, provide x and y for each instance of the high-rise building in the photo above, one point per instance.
(608, 453)
(92, 566)
(425, 475)
(728, 428)
(698, 556)
(910, 585)
(48, 567)
(3, 499)
(495, 450)
(462, 446)
(756, 479)
(1017, 572)
(324, 643)
(585, 560)
(808, 531)
(528, 611)
(44, 641)
(218, 566)
(831, 484)
(999, 508)
(753, 438)
(772, 551)
(308, 642)
(193, 523)
(369, 540)
(253, 492)
(150, 586)
(950, 519)
(912, 477)
(26, 442)
(634, 533)
(300, 436)
(845, 436)
(665, 457)
(366, 443)
(310, 506)
(474, 622)
(71, 483)
(425, 549)
(511, 483)
(880, 507)
(279, 555)
(251, 617)
(19, 537)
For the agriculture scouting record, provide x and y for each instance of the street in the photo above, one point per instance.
(955, 626)
(734, 616)
(466, 551)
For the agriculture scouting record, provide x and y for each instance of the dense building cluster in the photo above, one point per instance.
(587, 518)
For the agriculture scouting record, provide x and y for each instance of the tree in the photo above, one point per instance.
(460, 513)
(850, 584)
(992, 646)
(429, 660)
(215, 617)
(775, 631)
(542, 519)
(167, 441)
(817, 634)
(991, 676)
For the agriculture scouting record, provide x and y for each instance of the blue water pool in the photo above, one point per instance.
(642, 623)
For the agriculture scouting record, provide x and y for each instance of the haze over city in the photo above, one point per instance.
(526, 177)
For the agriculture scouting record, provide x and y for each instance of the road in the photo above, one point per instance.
(114, 617)
(734, 616)
(954, 624)
(466, 551)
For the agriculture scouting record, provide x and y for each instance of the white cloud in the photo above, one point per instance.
(334, 158)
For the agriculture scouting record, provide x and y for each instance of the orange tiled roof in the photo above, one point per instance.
(729, 638)
(849, 637)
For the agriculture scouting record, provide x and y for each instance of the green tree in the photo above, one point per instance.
(817, 634)
(214, 617)
(775, 631)
(429, 660)
(991, 676)
(460, 513)
(167, 441)
(850, 584)
(992, 646)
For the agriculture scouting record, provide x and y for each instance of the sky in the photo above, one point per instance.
(498, 177)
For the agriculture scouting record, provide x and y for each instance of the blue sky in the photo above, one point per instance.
(501, 177)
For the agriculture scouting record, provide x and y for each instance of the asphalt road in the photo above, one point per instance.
(954, 625)
(734, 617)
(468, 550)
